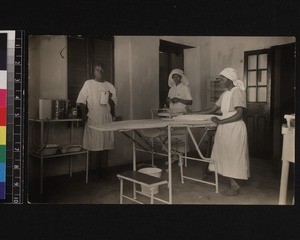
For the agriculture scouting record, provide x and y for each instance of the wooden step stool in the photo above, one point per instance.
(141, 179)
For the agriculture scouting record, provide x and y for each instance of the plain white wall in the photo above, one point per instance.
(53, 67)
(137, 84)
(136, 75)
(34, 73)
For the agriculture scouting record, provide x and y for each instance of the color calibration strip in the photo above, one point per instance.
(3, 107)
(13, 188)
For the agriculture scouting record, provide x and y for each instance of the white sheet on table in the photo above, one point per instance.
(150, 124)
(194, 117)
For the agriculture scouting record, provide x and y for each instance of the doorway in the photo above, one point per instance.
(171, 56)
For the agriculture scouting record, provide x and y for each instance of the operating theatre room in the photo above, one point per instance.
(176, 120)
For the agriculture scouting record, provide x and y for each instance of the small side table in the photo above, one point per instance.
(288, 155)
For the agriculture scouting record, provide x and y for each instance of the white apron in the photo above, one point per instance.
(98, 113)
(230, 150)
(94, 140)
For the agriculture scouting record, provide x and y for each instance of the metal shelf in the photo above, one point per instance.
(56, 120)
(58, 155)
(43, 157)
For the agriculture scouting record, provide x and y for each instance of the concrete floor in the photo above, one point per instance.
(262, 188)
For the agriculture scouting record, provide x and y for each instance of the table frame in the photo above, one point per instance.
(170, 125)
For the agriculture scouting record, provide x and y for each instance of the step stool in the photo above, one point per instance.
(141, 179)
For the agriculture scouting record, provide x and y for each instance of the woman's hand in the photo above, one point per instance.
(216, 120)
(84, 118)
(109, 95)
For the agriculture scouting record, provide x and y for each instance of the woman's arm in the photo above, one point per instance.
(184, 101)
(236, 117)
(168, 100)
(112, 105)
(83, 112)
(211, 110)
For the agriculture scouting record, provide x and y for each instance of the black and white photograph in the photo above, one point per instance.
(181, 120)
(150, 120)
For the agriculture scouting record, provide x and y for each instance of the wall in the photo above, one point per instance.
(34, 73)
(54, 78)
(229, 51)
(137, 83)
(136, 76)
(47, 79)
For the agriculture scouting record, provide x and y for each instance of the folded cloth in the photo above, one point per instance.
(194, 117)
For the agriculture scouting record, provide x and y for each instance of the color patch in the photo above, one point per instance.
(2, 116)
(2, 154)
(2, 135)
(3, 100)
(2, 172)
(3, 51)
(2, 190)
(3, 79)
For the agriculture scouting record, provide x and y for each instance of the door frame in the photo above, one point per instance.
(269, 97)
(169, 48)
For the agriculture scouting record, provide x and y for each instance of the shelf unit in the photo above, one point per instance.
(42, 157)
(214, 91)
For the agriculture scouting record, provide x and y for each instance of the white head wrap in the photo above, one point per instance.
(230, 74)
(184, 80)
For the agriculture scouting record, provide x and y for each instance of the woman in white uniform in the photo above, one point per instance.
(179, 98)
(98, 96)
(230, 150)
(179, 95)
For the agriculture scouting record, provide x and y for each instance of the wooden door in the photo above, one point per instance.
(257, 74)
(284, 75)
